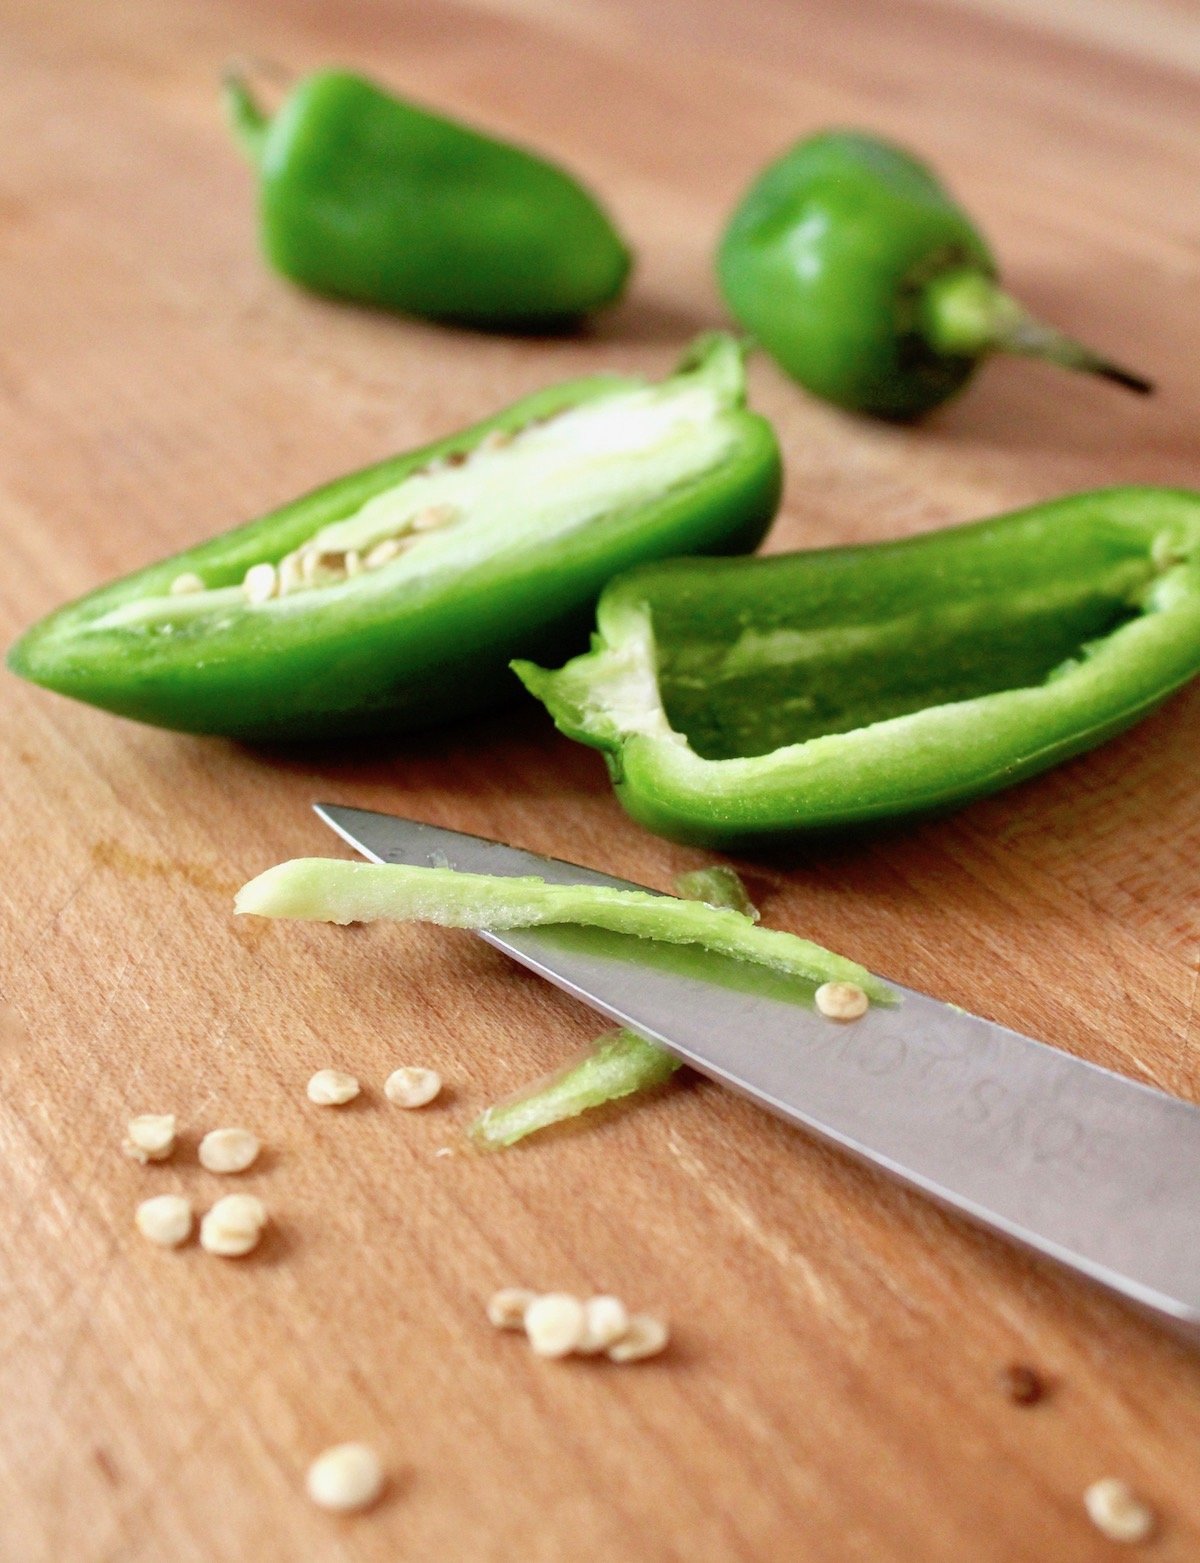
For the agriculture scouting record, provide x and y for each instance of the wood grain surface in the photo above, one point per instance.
(833, 1389)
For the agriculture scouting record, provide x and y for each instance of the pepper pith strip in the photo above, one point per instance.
(396, 597)
(863, 277)
(618, 1065)
(367, 197)
(741, 702)
(334, 891)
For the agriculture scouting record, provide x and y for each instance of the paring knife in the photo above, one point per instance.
(1081, 1164)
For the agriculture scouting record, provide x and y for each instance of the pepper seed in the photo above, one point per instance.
(344, 1478)
(290, 574)
(233, 1226)
(187, 583)
(645, 1337)
(555, 1324)
(433, 516)
(150, 1137)
(1116, 1510)
(607, 1322)
(166, 1219)
(412, 1086)
(507, 1307)
(228, 1150)
(260, 582)
(383, 553)
(332, 1088)
(841, 1001)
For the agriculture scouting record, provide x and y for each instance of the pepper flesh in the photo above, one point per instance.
(862, 276)
(333, 891)
(367, 197)
(504, 536)
(717, 885)
(739, 703)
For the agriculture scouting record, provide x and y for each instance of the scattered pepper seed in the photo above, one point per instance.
(1116, 1510)
(607, 1322)
(233, 1226)
(555, 1324)
(332, 1088)
(228, 1150)
(507, 1307)
(558, 1324)
(186, 584)
(166, 1219)
(645, 1337)
(1024, 1385)
(841, 1001)
(150, 1137)
(412, 1086)
(344, 1478)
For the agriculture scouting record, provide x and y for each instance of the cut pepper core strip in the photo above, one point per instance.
(618, 1064)
(330, 890)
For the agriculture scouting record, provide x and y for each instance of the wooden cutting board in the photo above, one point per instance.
(833, 1389)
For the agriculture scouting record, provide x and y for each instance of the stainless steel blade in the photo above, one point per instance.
(1081, 1164)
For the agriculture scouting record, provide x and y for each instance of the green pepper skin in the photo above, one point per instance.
(742, 703)
(359, 663)
(366, 197)
(861, 275)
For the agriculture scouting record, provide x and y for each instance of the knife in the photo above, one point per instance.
(1086, 1166)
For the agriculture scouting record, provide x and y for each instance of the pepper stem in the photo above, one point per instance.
(246, 118)
(965, 314)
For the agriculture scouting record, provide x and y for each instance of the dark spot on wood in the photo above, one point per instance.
(1023, 1385)
(106, 1467)
(111, 854)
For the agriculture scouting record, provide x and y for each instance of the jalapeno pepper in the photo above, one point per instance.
(366, 197)
(864, 278)
(740, 702)
(395, 597)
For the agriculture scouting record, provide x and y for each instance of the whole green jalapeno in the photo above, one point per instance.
(863, 277)
(395, 597)
(366, 197)
(741, 701)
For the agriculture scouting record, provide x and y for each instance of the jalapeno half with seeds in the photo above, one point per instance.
(395, 598)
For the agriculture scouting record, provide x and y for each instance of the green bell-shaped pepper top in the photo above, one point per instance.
(740, 702)
(366, 197)
(395, 597)
(863, 277)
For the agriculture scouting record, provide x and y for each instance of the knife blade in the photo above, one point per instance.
(1088, 1167)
